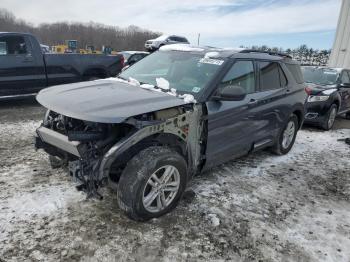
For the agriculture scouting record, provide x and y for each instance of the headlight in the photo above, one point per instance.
(317, 98)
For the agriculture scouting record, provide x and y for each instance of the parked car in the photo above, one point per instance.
(329, 94)
(25, 69)
(175, 113)
(131, 57)
(154, 44)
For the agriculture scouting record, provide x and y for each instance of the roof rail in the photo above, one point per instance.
(265, 52)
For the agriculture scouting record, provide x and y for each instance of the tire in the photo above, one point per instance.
(56, 162)
(282, 148)
(330, 117)
(134, 189)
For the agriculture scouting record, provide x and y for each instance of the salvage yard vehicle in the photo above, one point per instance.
(131, 57)
(155, 44)
(25, 69)
(175, 113)
(329, 94)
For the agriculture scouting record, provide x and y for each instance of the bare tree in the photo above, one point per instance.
(98, 35)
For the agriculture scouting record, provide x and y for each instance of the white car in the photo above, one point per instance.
(154, 44)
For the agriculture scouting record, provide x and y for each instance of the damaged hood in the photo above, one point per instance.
(104, 101)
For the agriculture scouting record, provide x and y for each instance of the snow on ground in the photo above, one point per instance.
(258, 208)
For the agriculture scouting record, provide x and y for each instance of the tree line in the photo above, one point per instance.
(303, 54)
(129, 38)
(98, 35)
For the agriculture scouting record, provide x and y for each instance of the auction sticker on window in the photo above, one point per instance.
(211, 61)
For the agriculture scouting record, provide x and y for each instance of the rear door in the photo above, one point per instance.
(272, 99)
(344, 92)
(20, 72)
(231, 124)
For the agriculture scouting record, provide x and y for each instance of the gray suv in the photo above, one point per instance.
(170, 116)
(155, 44)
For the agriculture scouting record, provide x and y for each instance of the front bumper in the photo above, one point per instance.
(316, 112)
(46, 136)
(150, 47)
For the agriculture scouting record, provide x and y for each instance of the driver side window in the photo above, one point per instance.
(241, 74)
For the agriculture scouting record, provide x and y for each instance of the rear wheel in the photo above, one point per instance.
(152, 183)
(287, 136)
(330, 117)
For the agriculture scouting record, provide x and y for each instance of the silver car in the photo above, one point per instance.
(154, 44)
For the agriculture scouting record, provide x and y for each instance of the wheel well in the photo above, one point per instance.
(299, 115)
(98, 72)
(337, 103)
(162, 139)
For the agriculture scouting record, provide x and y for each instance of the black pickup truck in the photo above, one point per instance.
(25, 69)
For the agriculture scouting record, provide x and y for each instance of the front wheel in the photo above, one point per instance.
(152, 183)
(330, 117)
(287, 136)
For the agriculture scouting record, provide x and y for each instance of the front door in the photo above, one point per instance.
(20, 72)
(231, 123)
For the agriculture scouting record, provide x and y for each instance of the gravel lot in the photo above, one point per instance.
(258, 208)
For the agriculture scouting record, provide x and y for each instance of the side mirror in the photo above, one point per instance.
(345, 85)
(230, 93)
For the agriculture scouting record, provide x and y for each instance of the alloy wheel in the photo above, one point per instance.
(161, 189)
(288, 135)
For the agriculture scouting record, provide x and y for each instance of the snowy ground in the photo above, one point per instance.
(258, 208)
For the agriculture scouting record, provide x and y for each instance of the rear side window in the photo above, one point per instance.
(271, 76)
(296, 72)
(241, 74)
(345, 77)
(12, 45)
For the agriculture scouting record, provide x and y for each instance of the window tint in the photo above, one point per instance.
(241, 74)
(269, 76)
(12, 45)
(296, 72)
(345, 77)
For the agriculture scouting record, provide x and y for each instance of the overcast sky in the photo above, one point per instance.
(226, 23)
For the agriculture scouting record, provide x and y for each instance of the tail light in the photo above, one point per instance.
(122, 60)
(308, 90)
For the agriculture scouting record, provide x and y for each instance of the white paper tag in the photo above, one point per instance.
(211, 61)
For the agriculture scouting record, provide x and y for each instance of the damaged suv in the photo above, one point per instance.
(177, 112)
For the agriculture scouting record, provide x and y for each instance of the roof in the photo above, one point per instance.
(226, 52)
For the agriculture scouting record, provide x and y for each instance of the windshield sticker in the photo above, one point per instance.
(196, 89)
(211, 61)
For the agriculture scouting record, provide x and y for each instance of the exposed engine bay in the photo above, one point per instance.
(96, 153)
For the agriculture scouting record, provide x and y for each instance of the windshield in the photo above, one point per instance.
(185, 71)
(320, 76)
